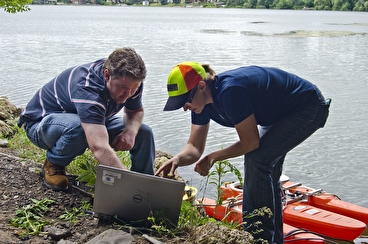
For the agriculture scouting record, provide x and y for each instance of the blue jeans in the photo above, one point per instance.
(62, 135)
(263, 167)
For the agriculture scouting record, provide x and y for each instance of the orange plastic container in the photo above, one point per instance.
(330, 202)
(321, 221)
(321, 212)
(234, 215)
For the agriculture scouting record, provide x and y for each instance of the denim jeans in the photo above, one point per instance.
(263, 168)
(62, 135)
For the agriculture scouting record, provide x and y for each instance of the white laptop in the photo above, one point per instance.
(131, 197)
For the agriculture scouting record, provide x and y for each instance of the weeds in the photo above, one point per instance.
(85, 166)
(191, 216)
(76, 213)
(160, 227)
(30, 217)
(216, 176)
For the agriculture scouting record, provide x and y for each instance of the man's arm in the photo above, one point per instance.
(98, 142)
(98, 138)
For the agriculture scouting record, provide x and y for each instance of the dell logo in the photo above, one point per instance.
(137, 198)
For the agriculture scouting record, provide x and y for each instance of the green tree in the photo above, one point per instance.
(283, 4)
(298, 4)
(360, 6)
(345, 7)
(250, 4)
(337, 4)
(15, 6)
(322, 4)
(268, 3)
(308, 3)
(239, 2)
(261, 4)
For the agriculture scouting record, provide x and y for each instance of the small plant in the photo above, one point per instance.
(30, 217)
(160, 227)
(216, 176)
(191, 216)
(125, 158)
(85, 166)
(75, 213)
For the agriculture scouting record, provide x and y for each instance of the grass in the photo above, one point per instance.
(83, 165)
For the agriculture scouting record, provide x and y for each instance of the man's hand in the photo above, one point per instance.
(124, 141)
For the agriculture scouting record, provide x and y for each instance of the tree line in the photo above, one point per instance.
(337, 5)
(15, 6)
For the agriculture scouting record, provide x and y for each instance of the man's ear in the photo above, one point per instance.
(106, 74)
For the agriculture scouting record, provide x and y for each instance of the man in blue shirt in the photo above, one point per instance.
(272, 111)
(78, 110)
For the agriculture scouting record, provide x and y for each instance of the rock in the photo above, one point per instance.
(57, 233)
(112, 236)
(5, 129)
(212, 233)
(9, 112)
(66, 242)
(3, 143)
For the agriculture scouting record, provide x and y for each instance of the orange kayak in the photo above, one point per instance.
(324, 222)
(335, 220)
(233, 214)
(317, 198)
(327, 201)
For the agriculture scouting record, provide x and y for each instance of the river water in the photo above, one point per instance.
(328, 48)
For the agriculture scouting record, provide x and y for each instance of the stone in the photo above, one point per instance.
(112, 236)
(8, 113)
(3, 143)
(57, 233)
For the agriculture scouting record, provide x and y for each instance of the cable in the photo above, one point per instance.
(305, 231)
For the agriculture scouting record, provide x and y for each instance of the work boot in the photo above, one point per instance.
(54, 176)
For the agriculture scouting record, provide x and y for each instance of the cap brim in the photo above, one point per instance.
(176, 102)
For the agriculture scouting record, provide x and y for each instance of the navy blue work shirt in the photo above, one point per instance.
(268, 93)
